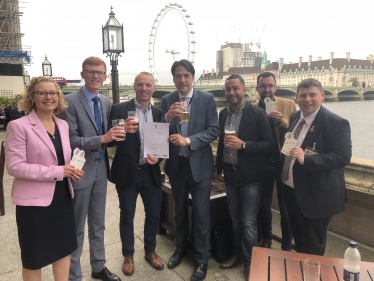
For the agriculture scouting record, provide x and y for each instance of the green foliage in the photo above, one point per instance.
(354, 82)
(4, 101)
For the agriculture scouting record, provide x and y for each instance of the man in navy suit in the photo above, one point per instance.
(134, 174)
(313, 174)
(190, 164)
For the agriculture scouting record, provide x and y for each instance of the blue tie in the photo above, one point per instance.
(97, 113)
(184, 132)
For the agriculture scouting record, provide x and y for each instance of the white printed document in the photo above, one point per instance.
(156, 139)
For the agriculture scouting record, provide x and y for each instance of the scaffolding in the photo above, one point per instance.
(10, 34)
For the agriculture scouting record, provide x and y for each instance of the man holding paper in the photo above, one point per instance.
(134, 174)
(279, 111)
(313, 173)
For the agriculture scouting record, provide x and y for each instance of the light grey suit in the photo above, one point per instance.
(90, 191)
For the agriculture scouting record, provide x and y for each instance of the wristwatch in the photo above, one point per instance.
(243, 145)
(188, 141)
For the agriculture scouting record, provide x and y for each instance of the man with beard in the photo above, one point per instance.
(241, 158)
(279, 121)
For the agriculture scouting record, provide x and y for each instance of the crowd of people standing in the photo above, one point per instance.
(54, 198)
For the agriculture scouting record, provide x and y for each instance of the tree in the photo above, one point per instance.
(354, 82)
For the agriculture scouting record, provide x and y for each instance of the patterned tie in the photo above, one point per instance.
(184, 132)
(287, 159)
(97, 113)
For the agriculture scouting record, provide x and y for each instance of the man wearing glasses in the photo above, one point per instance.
(87, 115)
(279, 121)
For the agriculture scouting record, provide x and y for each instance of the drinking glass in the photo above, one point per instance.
(134, 114)
(312, 270)
(185, 116)
(230, 130)
(120, 123)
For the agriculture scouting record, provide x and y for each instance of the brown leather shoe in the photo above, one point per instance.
(231, 262)
(128, 266)
(154, 260)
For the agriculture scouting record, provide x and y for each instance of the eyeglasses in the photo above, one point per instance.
(263, 86)
(44, 94)
(93, 72)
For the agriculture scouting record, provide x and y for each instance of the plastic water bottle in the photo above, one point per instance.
(352, 259)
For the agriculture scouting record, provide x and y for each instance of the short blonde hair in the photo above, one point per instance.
(28, 103)
(93, 61)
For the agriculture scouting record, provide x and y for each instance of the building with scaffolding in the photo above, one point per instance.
(12, 57)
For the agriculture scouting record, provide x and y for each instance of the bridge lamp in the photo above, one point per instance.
(26, 78)
(47, 67)
(112, 33)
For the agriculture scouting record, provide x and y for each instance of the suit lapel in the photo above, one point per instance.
(194, 110)
(314, 128)
(41, 132)
(104, 111)
(176, 120)
(87, 108)
(293, 122)
(64, 136)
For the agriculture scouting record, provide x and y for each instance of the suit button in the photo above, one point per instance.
(55, 179)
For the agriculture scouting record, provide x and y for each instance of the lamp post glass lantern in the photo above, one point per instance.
(47, 67)
(113, 46)
(26, 78)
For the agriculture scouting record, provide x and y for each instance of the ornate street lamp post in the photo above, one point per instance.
(26, 78)
(113, 47)
(47, 67)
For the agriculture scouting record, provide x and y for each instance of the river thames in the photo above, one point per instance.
(359, 115)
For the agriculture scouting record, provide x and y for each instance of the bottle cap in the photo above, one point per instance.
(353, 244)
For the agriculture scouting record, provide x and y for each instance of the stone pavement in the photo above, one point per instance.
(10, 262)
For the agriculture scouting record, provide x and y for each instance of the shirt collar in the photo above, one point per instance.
(238, 110)
(139, 107)
(89, 95)
(310, 118)
(188, 96)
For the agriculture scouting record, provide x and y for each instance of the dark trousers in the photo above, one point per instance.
(152, 196)
(182, 184)
(309, 234)
(273, 173)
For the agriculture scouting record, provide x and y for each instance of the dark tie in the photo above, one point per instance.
(184, 132)
(287, 159)
(97, 113)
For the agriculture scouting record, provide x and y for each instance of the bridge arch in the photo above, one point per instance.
(328, 94)
(217, 93)
(348, 95)
(369, 95)
(160, 94)
(286, 93)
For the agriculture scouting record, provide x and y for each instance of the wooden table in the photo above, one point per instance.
(276, 265)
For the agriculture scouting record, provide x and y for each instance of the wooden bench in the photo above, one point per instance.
(276, 265)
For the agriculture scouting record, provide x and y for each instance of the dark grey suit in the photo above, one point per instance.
(193, 174)
(90, 191)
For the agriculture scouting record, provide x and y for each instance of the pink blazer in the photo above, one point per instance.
(31, 159)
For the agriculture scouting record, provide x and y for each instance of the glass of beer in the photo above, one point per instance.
(119, 123)
(230, 130)
(185, 116)
(134, 114)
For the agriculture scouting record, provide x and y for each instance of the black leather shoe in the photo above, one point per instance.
(199, 273)
(105, 275)
(266, 244)
(176, 259)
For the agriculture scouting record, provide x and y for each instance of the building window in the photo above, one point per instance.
(7, 93)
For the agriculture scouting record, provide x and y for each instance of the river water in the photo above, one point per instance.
(359, 114)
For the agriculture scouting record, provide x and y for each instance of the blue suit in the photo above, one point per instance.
(193, 173)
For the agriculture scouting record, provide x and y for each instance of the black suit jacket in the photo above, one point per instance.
(319, 183)
(255, 131)
(126, 160)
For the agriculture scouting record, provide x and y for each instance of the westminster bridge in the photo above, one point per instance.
(331, 93)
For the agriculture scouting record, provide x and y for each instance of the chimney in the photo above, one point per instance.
(280, 64)
(371, 58)
(348, 56)
(319, 58)
(310, 61)
(331, 57)
(300, 61)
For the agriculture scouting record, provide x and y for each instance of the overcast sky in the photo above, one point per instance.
(69, 31)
